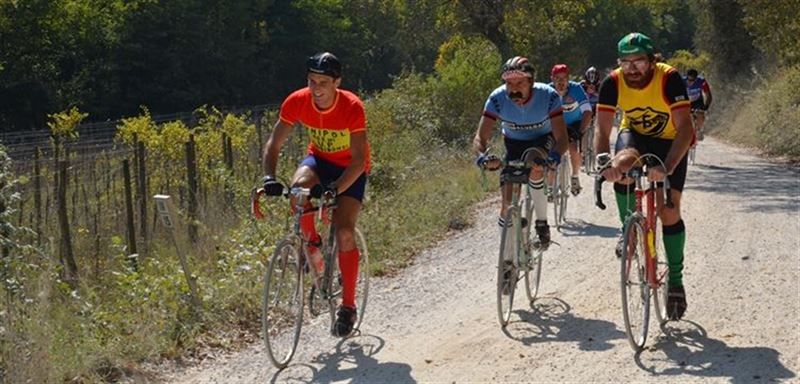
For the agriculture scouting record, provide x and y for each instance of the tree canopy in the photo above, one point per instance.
(110, 57)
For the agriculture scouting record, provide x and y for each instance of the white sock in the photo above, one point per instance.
(539, 199)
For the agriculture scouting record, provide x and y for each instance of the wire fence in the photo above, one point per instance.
(102, 176)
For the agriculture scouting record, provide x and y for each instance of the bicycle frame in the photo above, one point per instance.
(647, 198)
(325, 212)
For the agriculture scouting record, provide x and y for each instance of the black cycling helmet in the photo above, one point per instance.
(591, 75)
(692, 73)
(325, 63)
(516, 67)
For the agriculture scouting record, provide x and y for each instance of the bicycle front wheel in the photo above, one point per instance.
(633, 282)
(588, 151)
(507, 272)
(282, 306)
(561, 191)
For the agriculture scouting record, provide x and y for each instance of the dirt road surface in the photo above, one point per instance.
(437, 321)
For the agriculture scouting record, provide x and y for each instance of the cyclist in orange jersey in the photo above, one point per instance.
(338, 159)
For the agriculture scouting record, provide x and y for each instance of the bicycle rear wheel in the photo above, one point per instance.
(533, 273)
(633, 282)
(507, 272)
(362, 282)
(282, 306)
(533, 276)
(662, 274)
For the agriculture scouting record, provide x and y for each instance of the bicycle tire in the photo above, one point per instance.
(566, 187)
(662, 274)
(362, 284)
(282, 308)
(556, 193)
(533, 273)
(633, 283)
(508, 251)
(588, 151)
(561, 191)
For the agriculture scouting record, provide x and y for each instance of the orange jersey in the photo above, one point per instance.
(329, 130)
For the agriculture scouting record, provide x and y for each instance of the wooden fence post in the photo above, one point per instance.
(63, 220)
(142, 176)
(191, 174)
(37, 195)
(126, 172)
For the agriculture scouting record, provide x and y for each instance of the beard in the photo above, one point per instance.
(637, 79)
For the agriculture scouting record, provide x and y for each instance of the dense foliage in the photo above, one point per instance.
(111, 57)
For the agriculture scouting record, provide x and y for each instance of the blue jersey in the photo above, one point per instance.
(574, 103)
(695, 91)
(528, 121)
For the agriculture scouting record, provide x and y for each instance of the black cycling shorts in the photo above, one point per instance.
(698, 105)
(659, 147)
(515, 148)
(574, 131)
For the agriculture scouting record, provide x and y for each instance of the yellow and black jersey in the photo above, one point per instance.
(648, 110)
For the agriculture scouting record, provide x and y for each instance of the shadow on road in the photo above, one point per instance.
(690, 351)
(579, 227)
(353, 361)
(550, 320)
(769, 187)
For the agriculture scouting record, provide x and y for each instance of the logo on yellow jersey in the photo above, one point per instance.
(328, 140)
(647, 121)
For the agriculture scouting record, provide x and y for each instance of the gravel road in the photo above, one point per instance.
(437, 322)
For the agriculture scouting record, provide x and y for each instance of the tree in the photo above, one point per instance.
(775, 26)
(722, 35)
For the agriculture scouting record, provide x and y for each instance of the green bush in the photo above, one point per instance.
(767, 118)
(466, 72)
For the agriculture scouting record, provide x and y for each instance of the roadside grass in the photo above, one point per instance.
(766, 118)
(422, 185)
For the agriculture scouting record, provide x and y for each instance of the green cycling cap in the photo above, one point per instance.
(634, 43)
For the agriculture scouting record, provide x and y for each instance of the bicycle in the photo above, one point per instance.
(525, 257)
(697, 138)
(642, 274)
(587, 150)
(285, 278)
(561, 190)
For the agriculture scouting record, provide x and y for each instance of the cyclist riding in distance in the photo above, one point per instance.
(591, 85)
(338, 159)
(577, 116)
(700, 96)
(655, 120)
(530, 115)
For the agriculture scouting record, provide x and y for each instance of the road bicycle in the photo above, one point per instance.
(643, 275)
(290, 271)
(697, 138)
(561, 189)
(587, 150)
(519, 257)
